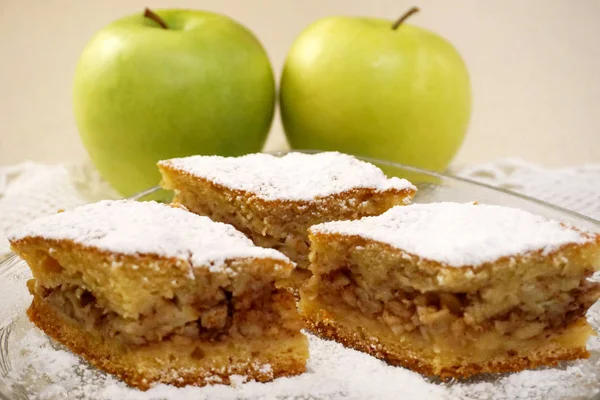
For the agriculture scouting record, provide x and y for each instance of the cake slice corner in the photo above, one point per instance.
(154, 294)
(454, 290)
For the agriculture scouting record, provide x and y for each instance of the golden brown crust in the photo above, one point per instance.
(515, 313)
(139, 367)
(145, 263)
(327, 327)
(130, 283)
(573, 259)
(280, 224)
(189, 177)
(575, 249)
(94, 302)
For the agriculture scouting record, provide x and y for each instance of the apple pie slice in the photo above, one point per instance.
(274, 200)
(453, 289)
(153, 293)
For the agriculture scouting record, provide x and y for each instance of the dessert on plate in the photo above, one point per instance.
(153, 293)
(454, 290)
(274, 200)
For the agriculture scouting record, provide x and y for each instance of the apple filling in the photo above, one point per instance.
(248, 315)
(456, 317)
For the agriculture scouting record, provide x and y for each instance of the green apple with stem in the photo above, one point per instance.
(166, 84)
(376, 88)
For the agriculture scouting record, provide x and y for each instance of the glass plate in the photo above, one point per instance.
(32, 367)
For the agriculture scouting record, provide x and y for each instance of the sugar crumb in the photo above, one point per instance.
(237, 380)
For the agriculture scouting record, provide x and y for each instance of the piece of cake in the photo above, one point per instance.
(153, 293)
(452, 289)
(274, 200)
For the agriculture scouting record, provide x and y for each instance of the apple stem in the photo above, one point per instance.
(404, 16)
(148, 13)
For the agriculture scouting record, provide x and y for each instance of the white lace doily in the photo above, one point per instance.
(575, 188)
(30, 190)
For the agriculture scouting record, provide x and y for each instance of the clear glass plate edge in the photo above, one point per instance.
(9, 263)
(441, 175)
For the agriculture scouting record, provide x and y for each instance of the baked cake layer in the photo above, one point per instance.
(427, 310)
(180, 360)
(119, 297)
(291, 177)
(412, 351)
(274, 200)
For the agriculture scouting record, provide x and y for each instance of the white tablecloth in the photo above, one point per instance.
(31, 190)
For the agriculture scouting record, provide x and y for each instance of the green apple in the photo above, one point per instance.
(167, 84)
(370, 87)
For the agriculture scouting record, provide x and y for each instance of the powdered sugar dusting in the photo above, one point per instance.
(460, 234)
(334, 372)
(130, 227)
(294, 176)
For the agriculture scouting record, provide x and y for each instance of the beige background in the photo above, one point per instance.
(535, 68)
